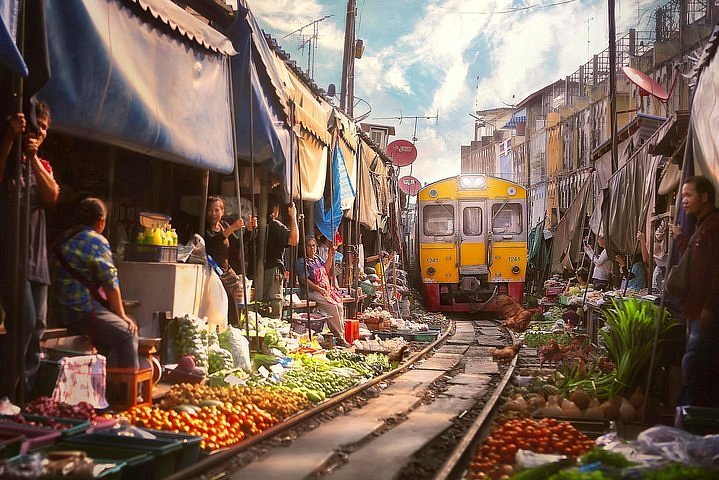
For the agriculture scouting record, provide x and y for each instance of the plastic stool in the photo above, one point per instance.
(127, 388)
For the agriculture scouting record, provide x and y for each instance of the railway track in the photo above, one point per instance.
(421, 420)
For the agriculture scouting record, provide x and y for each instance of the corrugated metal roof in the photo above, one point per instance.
(187, 25)
(646, 124)
(674, 136)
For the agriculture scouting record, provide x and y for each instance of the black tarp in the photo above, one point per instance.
(568, 234)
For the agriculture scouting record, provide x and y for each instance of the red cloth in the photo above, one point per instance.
(703, 292)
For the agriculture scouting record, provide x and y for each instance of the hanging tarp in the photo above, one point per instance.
(705, 115)
(348, 142)
(313, 139)
(628, 196)
(367, 198)
(327, 219)
(380, 179)
(537, 252)
(568, 234)
(267, 143)
(122, 77)
(9, 55)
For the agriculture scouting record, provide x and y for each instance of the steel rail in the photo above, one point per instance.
(223, 455)
(459, 456)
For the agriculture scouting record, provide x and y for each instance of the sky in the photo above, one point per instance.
(447, 58)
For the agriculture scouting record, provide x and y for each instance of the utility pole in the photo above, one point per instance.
(347, 89)
(613, 82)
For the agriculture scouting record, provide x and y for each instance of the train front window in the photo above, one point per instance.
(438, 220)
(472, 221)
(507, 219)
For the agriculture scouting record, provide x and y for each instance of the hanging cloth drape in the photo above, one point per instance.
(367, 206)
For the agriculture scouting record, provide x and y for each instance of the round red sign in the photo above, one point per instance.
(402, 153)
(410, 185)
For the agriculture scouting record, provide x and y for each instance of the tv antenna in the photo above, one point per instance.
(412, 117)
(309, 41)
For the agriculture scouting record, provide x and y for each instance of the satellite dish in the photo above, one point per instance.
(402, 153)
(647, 86)
(409, 185)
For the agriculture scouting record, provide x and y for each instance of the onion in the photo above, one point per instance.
(593, 410)
(580, 398)
(627, 412)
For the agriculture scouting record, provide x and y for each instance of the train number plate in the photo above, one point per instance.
(514, 259)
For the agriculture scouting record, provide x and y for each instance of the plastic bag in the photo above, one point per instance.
(81, 379)
(193, 252)
(192, 338)
(233, 340)
(214, 302)
(680, 446)
(218, 359)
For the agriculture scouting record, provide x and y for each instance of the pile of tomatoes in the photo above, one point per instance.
(495, 457)
(219, 426)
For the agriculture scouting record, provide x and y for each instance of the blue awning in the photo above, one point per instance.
(156, 83)
(516, 120)
(9, 55)
(253, 73)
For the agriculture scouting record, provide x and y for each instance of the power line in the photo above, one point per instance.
(511, 10)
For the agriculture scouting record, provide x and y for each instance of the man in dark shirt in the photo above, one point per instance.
(700, 364)
(44, 192)
(279, 237)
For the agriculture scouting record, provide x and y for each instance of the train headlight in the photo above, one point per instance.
(430, 271)
(473, 181)
(511, 191)
(516, 269)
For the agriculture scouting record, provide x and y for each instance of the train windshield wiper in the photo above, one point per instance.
(501, 207)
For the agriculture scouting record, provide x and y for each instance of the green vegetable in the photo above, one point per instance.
(263, 360)
(543, 471)
(577, 475)
(629, 340)
(610, 459)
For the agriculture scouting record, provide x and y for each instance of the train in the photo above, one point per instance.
(469, 242)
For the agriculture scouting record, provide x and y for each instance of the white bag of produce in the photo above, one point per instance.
(214, 302)
(235, 342)
(218, 359)
(192, 337)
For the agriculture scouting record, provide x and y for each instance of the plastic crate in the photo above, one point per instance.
(299, 322)
(409, 336)
(165, 452)
(113, 473)
(35, 438)
(136, 463)
(427, 336)
(151, 253)
(700, 420)
(75, 426)
(351, 330)
(10, 444)
(190, 447)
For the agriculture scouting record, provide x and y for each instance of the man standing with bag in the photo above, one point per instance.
(700, 364)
